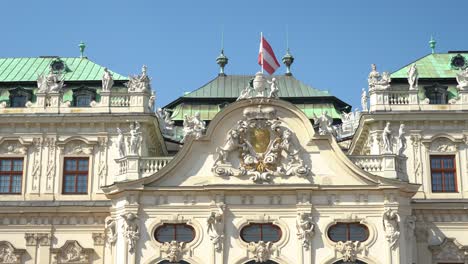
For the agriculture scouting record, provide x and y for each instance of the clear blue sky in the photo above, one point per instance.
(334, 42)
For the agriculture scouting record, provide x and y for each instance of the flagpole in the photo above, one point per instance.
(261, 49)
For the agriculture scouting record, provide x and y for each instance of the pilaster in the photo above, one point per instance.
(44, 242)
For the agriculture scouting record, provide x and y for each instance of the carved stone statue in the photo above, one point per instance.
(364, 100)
(377, 81)
(348, 250)
(246, 93)
(7, 254)
(387, 139)
(107, 81)
(121, 143)
(165, 120)
(233, 143)
(410, 226)
(391, 225)
(151, 101)
(52, 83)
(305, 228)
(401, 140)
(174, 250)
(261, 250)
(135, 139)
(140, 83)
(131, 230)
(111, 232)
(462, 79)
(413, 77)
(324, 123)
(193, 126)
(273, 88)
(215, 225)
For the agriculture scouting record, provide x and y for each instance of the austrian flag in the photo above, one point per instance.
(266, 57)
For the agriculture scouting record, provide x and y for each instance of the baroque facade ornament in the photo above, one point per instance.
(50, 83)
(462, 79)
(71, 252)
(348, 250)
(140, 83)
(13, 147)
(262, 250)
(121, 143)
(107, 81)
(215, 227)
(387, 139)
(110, 229)
(131, 230)
(166, 123)
(364, 101)
(324, 123)
(193, 126)
(78, 148)
(442, 145)
(391, 226)
(377, 81)
(9, 254)
(305, 229)
(401, 140)
(260, 87)
(174, 250)
(450, 250)
(413, 77)
(134, 141)
(266, 148)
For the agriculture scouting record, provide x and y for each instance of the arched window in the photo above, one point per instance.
(168, 262)
(267, 262)
(174, 232)
(348, 232)
(266, 232)
(355, 262)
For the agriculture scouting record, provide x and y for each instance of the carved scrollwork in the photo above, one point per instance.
(9, 254)
(131, 229)
(262, 250)
(266, 148)
(348, 250)
(77, 147)
(174, 250)
(13, 147)
(215, 227)
(391, 225)
(443, 145)
(305, 228)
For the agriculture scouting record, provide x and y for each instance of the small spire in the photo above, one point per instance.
(222, 60)
(82, 49)
(432, 44)
(288, 60)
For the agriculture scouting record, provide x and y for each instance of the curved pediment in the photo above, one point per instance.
(259, 142)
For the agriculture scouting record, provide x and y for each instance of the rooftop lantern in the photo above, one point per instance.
(432, 44)
(82, 49)
(288, 60)
(222, 60)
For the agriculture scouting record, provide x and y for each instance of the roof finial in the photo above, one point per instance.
(432, 44)
(82, 49)
(222, 60)
(288, 59)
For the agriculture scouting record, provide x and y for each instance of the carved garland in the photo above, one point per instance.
(266, 148)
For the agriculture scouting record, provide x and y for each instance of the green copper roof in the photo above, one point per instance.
(230, 86)
(208, 111)
(432, 66)
(28, 69)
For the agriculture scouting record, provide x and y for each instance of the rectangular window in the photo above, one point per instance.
(75, 175)
(443, 174)
(11, 174)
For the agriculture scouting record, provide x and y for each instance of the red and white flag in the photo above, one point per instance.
(266, 57)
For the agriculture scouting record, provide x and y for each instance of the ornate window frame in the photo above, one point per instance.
(15, 147)
(186, 249)
(362, 248)
(14, 255)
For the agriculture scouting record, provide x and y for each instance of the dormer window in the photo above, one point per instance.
(437, 94)
(19, 97)
(83, 98)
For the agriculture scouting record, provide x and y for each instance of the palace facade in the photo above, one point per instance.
(246, 169)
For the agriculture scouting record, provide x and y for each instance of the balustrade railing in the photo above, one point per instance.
(152, 165)
(398, 98)
(385, 165)
(135, 167)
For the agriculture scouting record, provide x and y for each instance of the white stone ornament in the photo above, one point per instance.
(401, 140)
(110, 228)
(262, 250)
(107, 81)
(174, 250)
(348, 250)
(9, 254)
(260, 87)
(462, 79)
(273, 88)
(134, 141)
(51, 83)
(151, 101)
(305, 229)
(324, 123)
(215, 227)
(193, 127)
(387, 139)
(166, 123)
(413, 77)
(377, 81)
(391, 226)
(71, 252)
(364, 100)
(265, 147)
(121, 143)
(139, 83)
(131, 230)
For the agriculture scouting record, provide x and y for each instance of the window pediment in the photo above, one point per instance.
(72, 253)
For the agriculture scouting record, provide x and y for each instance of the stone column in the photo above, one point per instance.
(44, 241)
(422, 245)
(31, 248)
(99, 246)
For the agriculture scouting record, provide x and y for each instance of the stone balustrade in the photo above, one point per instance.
(110, 102)
(133, 167)
(386, 165)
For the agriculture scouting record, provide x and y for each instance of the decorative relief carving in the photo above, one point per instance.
(51, 144)
(266, 148)
(450, 250)
(193, 127)
(13, 147)
(305, 228)
(31, 239)
(9, 254)
(174, 250)
(110, 228)
(131, 230)
(99, 239)
(416, 142)
(71, 252)
(391, 226)
(324, 123)
(77, 147)
(44, 239)
(215, 227)
(262, 250)
(443, 145)
(348, 250)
